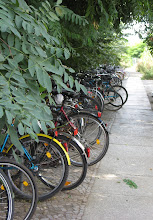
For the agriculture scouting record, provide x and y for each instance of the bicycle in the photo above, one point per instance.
(45, 158)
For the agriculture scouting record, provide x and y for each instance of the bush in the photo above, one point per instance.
(145, 65)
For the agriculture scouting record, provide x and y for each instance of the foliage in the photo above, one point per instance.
(145, 65)
(136, 50)
(30, 61)
(130, 183)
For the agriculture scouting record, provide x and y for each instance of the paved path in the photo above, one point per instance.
(103, 195)
(130, 156)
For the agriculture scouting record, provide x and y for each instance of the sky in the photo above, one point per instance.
(133, 38)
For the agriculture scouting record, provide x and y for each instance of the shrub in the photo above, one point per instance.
(145, 65)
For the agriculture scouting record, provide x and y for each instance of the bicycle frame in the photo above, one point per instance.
(33, 167)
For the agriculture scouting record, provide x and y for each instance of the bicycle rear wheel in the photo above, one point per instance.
(92, 134)
(77, 156)
(6, 198)
(23, 183)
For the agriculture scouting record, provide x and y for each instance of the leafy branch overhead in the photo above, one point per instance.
(30, 58)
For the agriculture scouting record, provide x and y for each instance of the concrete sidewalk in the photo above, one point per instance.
(130, 156)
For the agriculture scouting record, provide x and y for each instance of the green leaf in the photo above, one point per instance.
(130, 183)
(13, 63)
(24, 48)
(17, 44)
(30, 28)
(47, 82)
(83, 88)
(41, 52)
(54, 16)
(1, 112)
(66, 77)
(14, 30)
(32, 134)
(14, 139)
(21, 129)
(59, 11)
(31, 67)
(10, 40)
(1, 58)
(45, 6)
(33, 86)
(54, 69)
(71, 70)
(77, 84)
(51, 101)
(19, 57)
(59, 52)
(51, 124)
(66, 53)
(43, 127)
(35, 126)
(59, 2)
(40, 77)
(24, 25)
(23, 4)
(71, 81)
(47, 109)
(18, 21)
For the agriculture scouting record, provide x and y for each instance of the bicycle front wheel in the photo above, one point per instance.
(50, 164)
(6, 197)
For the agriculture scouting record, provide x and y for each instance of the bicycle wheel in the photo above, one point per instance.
(92, 134)
(78, 157)
(23, 183)
(113, 100)
(98, 97)
(115, 80)
(51, 163)
(122, 91)
(88, 104)
(6, 198)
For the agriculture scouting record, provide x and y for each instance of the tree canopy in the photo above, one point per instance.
(45, 42)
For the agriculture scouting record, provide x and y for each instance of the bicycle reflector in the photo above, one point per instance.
(99, 114)
(2, 187)
(96, 107)
(67, 183)
(87, 150)
(25, 183)
(98, 141)
(56, 133)
(48, 154)
(65, 146)
(75, 131)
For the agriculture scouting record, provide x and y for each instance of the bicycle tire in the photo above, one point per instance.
(122, 91)
(98, 97)
(6, 197)
(92, 133)
(89, 104)
(9, 166)
(113, 100)
(77, 156)
(52, 183)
